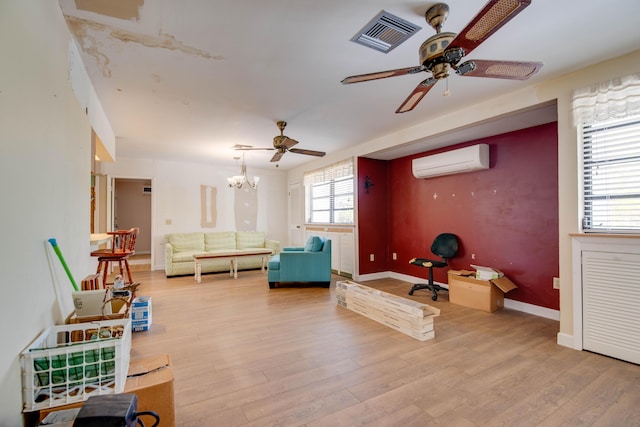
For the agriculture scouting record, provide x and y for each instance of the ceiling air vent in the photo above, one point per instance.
(385, 32)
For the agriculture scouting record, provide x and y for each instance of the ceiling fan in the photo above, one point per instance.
(282, 144)
(442, 52)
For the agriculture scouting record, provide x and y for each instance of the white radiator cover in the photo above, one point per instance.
(611, 304)
(467, 159)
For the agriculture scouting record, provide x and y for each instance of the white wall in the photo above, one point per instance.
(176, 197)
(45, 160)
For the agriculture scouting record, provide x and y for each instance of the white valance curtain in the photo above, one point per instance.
(614, 99)
(334, 171)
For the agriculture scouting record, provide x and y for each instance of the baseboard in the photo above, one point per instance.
(567, 340)
(394, 275)
(508, 303)
(342, 274)
(414, 279)
(532, 309)
(372, 276)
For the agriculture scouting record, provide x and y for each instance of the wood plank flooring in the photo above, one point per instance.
(245, 355)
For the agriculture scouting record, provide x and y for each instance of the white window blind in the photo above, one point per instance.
(611, 169)
(329, 194)
(608, 115)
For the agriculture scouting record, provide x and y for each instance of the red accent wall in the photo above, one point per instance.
(506, 216)
(373, 215)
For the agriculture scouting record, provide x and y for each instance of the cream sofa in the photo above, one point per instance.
(180, 248)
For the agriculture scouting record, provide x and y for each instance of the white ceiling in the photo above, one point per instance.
(187, 80)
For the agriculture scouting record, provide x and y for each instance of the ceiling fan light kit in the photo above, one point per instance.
(238, 181)
(443, 51)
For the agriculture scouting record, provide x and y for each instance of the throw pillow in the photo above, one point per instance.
(314, 244)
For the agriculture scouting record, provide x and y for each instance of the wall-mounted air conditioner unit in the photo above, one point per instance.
(467, 159)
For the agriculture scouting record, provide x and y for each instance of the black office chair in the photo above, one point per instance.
(445, 246)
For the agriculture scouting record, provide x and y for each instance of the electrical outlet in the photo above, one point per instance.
(556, 283)
(394, 256)
(473, 256)
(371, 257)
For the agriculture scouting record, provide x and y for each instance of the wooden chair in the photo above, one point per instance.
(123, 244)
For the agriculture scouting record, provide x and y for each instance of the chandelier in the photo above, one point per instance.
(238, 181)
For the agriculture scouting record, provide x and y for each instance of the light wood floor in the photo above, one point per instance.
(140, 262)
(245, 355)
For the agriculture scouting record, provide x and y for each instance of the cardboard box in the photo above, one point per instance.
(151, 379)
(141, 314)
(486, 295)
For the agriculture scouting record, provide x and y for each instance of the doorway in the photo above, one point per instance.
(295, 214)
(132, 202)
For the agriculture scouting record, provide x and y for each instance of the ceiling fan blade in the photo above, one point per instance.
(382, 74)
(252, 148)
(513, 70)
(490, 19)
(418, 93)
(283, 142)
(288, 142)
(308, 152)
(277, 156)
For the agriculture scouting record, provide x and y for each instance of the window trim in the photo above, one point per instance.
(331, 175)
(589, 166)
(601, 103)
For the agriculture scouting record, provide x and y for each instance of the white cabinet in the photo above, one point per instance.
(335, 250)
(606, 295)
(346, 253)
(610, 303)
(342, 247)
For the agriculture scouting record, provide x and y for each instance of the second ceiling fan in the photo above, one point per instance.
(282, 144)
(442, 52)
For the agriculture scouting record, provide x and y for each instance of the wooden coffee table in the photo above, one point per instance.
(233, 256)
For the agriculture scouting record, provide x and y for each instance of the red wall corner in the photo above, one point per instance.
(506, 217)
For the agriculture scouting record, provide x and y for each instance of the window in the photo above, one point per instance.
(608, 115)
(329, 194)
(611, 180)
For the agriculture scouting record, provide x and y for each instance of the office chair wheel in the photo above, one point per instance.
(411, 292)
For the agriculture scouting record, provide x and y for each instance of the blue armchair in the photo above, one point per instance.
(312, 263)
